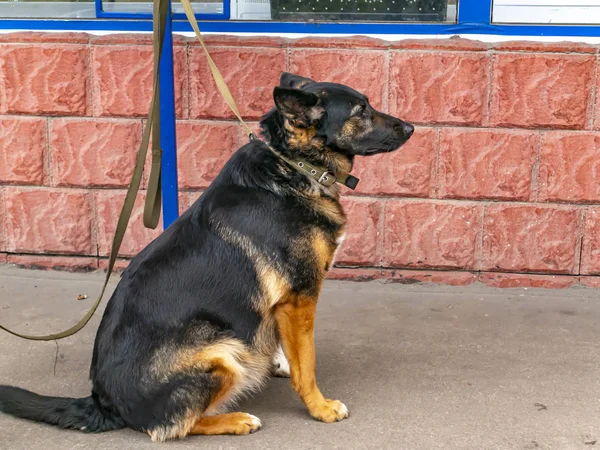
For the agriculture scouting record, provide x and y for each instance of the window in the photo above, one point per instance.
(244, 10)
(548, 18)
(361, 10)
(92, 9)
(547, 11)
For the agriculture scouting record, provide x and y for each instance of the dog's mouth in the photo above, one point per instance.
(387, 146)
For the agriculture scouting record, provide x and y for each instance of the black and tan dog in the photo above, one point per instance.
(206, 312)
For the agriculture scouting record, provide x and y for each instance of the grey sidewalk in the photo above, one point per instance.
(419, 367)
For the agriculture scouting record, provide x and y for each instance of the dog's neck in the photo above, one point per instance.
(302, 143)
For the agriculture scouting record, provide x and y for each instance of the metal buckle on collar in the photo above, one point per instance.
(324, 178)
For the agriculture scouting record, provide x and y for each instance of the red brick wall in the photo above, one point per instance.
(501, 182)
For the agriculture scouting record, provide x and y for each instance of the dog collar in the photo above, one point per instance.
(318, 173)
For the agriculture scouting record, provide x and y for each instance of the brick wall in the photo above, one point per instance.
(501, 182)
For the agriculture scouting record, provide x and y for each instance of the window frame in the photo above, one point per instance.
(101, 14)
(473, 17)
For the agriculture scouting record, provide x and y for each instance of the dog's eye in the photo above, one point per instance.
(360, 110)
(365, 111)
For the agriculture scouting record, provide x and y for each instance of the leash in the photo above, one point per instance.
(153, 194)
(153, 198)
(320, 174)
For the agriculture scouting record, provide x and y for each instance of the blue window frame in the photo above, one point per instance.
(474, 17)
(102, 14)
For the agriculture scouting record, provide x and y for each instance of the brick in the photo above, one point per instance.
(453, 44)
(569, 165)
(184, 201)
(202, 151)
(108, 207)
(541, 90)
(23, 145)
(554, 47)
(590, 250)
(529, 238)
(193, 197)
(243, 134)
(132, 39)
(62, 263)
(122, 80)
(450, 278)
(92, 152)
(224, 40)
(409, 171)
(28, 37)
(363, 237)
(439, 87)
(349, 42)
(120, 264)
(591, 282)
(363, 71)
(48, 221)
(44, 79)
(596, 114)
(516, 280)
(348, 274)
(2, 221)
(486, 164)
(3, 258)
(431, 234)
(250, 73)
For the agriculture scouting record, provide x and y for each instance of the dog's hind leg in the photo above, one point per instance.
(231, 423)
(231, 377)
(224, 370)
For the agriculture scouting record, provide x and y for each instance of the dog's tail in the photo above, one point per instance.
(77, 413)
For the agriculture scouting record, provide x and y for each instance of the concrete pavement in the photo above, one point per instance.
(419, 367)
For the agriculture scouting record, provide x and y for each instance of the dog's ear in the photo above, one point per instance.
(289, 80)
(301, 108)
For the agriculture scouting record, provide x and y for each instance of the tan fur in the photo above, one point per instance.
(232, 423)
(295, 321)
(300, 138)
(324, 250)
(356, 127)
(239, 369)
(304, 140)
(273, 287)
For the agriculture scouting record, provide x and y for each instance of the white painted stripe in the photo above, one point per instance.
(386, 37)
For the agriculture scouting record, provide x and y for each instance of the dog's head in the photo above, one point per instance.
(336, 117)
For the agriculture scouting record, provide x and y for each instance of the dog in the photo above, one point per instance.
(226, 296)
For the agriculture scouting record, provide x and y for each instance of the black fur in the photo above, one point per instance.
(191, 287)
(78, 413)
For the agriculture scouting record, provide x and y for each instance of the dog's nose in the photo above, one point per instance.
(408, 129)
(404, 128)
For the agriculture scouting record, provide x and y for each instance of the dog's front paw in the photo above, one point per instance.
(330, 411)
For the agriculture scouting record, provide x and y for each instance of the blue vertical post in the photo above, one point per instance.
(475, 12)
(168, 142)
